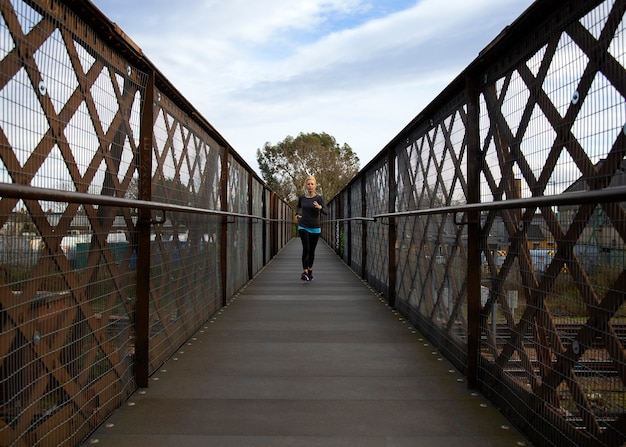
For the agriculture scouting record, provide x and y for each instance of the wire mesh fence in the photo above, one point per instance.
(115, 232)
(527, 299)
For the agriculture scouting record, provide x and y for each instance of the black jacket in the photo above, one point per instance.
(310, 215)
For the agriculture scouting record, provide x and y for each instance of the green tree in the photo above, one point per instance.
(286, 165)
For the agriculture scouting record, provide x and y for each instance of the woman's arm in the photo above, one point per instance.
(299, 208)
(323, 208)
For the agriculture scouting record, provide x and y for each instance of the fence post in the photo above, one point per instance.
(273, 224)
(339, 224)
(250, 226)
(392, 185)
(364, 232)
(473, 233)
(142, 304)
(347, 237)
(224, 230)
(265, 225)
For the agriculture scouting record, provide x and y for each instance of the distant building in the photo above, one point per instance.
(599, 231)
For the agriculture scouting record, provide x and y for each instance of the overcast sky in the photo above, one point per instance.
(359, 70)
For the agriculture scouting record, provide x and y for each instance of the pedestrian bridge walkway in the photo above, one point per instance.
(291, 363)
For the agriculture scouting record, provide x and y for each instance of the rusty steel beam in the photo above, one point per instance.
(224, 231)
(142, 313)
(391, 247)
(473, 237)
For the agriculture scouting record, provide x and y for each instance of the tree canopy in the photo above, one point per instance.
(285, 165)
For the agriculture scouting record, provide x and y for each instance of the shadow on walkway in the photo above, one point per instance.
(289, 363)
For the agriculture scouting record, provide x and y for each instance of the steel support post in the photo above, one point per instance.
(142, 304)
(474, 163)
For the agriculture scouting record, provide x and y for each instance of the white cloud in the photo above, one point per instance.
(360, 71)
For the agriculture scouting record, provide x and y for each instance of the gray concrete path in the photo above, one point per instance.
(289, 364)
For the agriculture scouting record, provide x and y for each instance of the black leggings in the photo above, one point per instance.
(309, 242)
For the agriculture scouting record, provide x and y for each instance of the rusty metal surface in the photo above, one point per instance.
(528, 300)
(110, 221)
(509, 212)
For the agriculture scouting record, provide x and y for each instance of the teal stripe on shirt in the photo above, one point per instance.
(310, 230)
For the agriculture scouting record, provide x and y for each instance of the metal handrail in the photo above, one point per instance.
(349, 219)
(17, 191)
(616, 193)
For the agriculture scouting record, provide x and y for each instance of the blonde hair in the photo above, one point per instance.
(310, 177)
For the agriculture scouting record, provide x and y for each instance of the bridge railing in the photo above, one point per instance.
(495, 222)
(126, 221)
